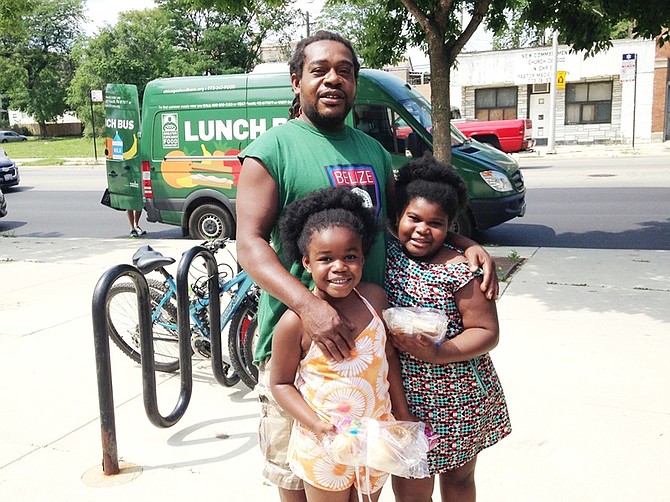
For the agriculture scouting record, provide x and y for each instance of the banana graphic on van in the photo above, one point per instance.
(132, 152)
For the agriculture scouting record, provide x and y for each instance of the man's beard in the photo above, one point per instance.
(324, 121)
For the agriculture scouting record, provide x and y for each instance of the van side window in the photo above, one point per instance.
(381, 123)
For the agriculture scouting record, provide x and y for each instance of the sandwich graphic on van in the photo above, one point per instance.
(216, 170)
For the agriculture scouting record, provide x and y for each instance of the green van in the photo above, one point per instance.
(192, 129)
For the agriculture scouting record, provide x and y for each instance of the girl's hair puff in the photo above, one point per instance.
(435, 181)
(322, 209)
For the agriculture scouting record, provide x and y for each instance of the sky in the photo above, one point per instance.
(101, 12)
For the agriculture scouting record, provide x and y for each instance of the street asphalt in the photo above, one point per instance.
(585, 339)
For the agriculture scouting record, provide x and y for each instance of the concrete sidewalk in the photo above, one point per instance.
(582, 357)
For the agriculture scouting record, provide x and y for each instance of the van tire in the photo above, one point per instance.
(464, 224)
(210, 221)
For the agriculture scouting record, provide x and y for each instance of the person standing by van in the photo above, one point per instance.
(314, 151)
(134, 220)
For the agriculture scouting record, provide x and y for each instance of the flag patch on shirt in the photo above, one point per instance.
(362, 178)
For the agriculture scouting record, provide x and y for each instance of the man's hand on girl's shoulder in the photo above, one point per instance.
(477, 258)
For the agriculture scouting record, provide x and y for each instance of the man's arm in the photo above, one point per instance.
(477, 257)
(257, 202)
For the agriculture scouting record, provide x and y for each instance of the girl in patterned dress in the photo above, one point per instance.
(452, 386)
(330, 231)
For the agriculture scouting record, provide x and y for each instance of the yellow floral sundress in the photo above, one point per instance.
(355, 388)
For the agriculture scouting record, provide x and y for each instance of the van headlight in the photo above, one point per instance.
(497, 180)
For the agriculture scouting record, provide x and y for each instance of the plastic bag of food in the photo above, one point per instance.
(399, 448)
(396, 447)
(411, 321)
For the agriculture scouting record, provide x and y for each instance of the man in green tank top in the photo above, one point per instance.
(316, 150)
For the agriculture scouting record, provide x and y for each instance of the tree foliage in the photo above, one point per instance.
(524, 31)
(12, 24)
(591, 25)
(257, 22)
(133, 51)
(39, 67)
(361, 23)
(177, 38)
(206, 41)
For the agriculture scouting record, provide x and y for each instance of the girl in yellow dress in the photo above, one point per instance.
(330, 231)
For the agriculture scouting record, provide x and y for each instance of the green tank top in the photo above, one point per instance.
(301, 159)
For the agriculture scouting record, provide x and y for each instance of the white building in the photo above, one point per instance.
(602, 99)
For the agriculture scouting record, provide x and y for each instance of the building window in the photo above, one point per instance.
(418, 78)
(496, 104)
(589, 103)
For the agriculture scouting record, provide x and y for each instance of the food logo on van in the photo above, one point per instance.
(189, 172)
(170, 130)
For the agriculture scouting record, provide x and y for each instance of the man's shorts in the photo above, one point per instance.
(274, 433)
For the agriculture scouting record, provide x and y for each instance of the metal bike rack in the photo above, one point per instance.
(110, 456)
(110, 459)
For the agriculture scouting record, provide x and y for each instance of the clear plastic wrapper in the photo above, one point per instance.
(396, 447)
(411, 321)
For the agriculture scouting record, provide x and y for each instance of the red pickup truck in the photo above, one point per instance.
(512, 135)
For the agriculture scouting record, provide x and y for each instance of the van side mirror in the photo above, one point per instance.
(415, 145)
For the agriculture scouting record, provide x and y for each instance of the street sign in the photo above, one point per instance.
(560, 79)
(628, 67)
(96, 96)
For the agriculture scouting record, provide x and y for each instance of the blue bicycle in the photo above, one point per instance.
(238, 293)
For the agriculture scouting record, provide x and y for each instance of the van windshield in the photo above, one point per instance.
(419, 107)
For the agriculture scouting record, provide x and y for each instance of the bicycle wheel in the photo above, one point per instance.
(123, 326)
(202, 344)
(244, 318)
(250, 342)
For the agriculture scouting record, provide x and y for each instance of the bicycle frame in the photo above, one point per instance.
(183, 310)
(241, 280)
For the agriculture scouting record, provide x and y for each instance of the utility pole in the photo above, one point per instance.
(551, 142)
(307, 22)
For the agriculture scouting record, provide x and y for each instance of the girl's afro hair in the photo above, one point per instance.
(434, 181)
(322, 209)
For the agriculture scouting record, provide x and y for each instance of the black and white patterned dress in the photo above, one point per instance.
(464, 401)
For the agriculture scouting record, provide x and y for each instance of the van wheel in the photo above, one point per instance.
(210, 221)
(464, 225)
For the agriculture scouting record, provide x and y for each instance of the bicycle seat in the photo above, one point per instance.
(146, 259)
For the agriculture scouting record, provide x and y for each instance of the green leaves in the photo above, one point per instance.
(39, 65)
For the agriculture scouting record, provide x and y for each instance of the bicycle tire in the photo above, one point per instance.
(250, 342)
(244, 317)
(123, 326)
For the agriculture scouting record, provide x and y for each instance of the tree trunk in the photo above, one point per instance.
(440, 70)
(43, 129)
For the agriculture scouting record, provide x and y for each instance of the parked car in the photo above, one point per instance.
(511, 135)
(9, 136)
(9, 171)
(3, 205)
